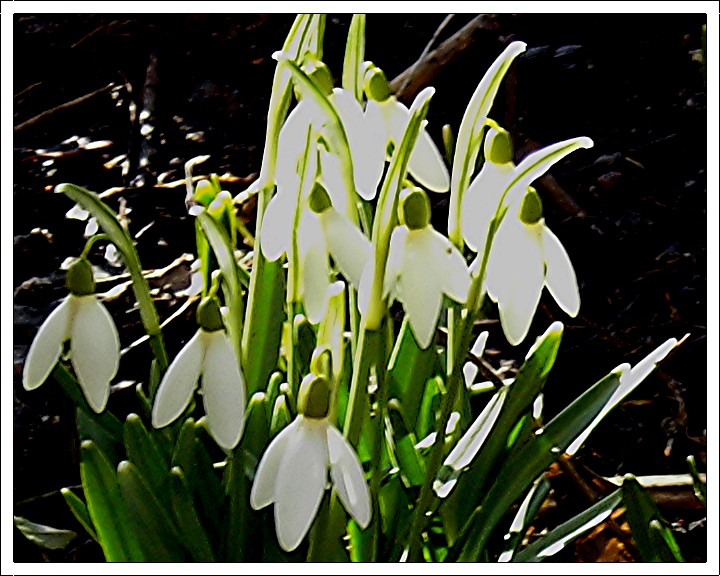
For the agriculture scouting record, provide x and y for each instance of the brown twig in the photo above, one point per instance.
(407, 84)
(64, 106)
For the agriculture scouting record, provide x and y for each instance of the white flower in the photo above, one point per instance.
(210, 356)
(292, 474)
(387, 120)
(94, 347)
(524, 258)
(422, 266)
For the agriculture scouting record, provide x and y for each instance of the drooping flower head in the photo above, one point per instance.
(293, 471)
(208, 357)
(94, 342)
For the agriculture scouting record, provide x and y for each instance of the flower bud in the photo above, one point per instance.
(208, 315)
(531, 210)
(414, 208)
(498, 146)
(319, 199)
(314, 397)
(204, 192)
(376, 84)
(80, 279)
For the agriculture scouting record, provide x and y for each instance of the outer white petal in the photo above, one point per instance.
(396, 253)
(291, 144)
(368, 155)
(266, 475)
(420, 286)
(334, 182)
(366, 284)
(47, 345)
(559, 275)
(376, 126)
(180, 380)
(223, 389)
(300, 483)
(95, 350)
(348, 477)
(480, 202)
(349, 247)
(314, 266)
(515, 276)
(449, 265)
(277, 225)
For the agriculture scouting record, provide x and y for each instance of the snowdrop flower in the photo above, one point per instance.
(94, 342)
(480, 201)
(422, 266)
(387, 118)
(292, 473)
(526, 256)
(324, 232)
(208, 355)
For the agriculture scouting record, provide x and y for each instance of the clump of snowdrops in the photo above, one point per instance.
(321, 410)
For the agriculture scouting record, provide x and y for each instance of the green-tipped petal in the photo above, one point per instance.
(560, 275)
(47, 345)
(300, 482)
(515, 276)
(179, 382)
(266, 475)
(420, 286)
(95, 350)
(223, 391)
(348, 477)
(348, 246)
(314, 266)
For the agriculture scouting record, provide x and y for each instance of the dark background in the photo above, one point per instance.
(634, 83)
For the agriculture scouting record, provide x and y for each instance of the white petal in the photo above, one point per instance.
(300, 482)
(291, 144)
(515, 276)
(349, 247)
(396, 253)
(480, 202)
(263, 489)
(367, 154)
(47, 345)
(560, 276)
(95, 350)
(449, 265)
(314, 266)
(277, 225)
(420, 286)
(376, 126)
(180, 380)
(223, 391)
(365, 289)
(348, 477)
(334, 182)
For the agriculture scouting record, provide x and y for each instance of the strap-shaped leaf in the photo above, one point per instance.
(558, 538)
(526, 464)
(143, 451)
(107, 508)
(652, 536)
(155, 529)
(80, 511)
(108, 221)
(352, 76)
(471, 126)
(193, 534)
(525, 514)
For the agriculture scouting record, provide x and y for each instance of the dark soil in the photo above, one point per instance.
(633, 83)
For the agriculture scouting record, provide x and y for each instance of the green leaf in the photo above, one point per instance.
(108, 221)
(401, 443)
(653, 538)
(45, 536)
(525, 514)
(352, 76)
(80, 511)
(527, 463)
(471, 127)
(193, 534)
(89, 429)
(158, 535)
(408, 371)
(568, 531)
(143, 451)
(107, 507)
(699, 486)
